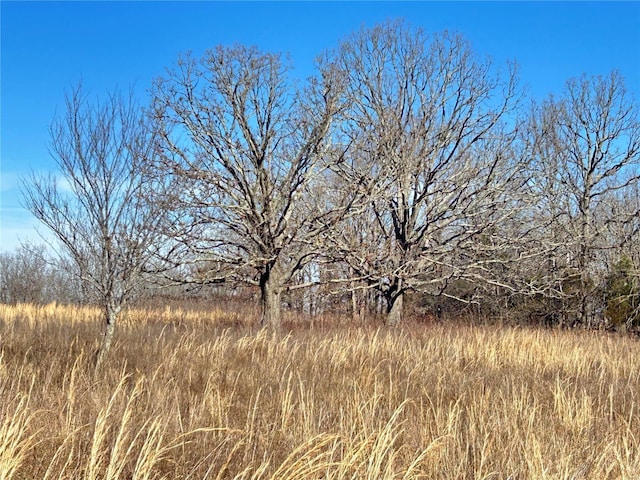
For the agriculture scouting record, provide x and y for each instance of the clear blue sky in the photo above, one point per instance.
(49, 46)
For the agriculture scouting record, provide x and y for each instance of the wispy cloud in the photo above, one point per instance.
(9, 181)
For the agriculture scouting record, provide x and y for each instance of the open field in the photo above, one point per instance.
(194, 395)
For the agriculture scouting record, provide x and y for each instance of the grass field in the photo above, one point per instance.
(195, 394)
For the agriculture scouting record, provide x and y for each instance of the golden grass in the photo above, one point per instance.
(191, 394)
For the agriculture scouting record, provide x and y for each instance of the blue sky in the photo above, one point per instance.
(47, 47)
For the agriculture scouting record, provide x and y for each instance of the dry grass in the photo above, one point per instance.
(201, 394)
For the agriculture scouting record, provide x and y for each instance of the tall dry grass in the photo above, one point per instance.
(201, 394)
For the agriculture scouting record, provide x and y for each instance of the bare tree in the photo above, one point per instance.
(96, 204)
(242, 146)
(430, 144)
(23, 275)
(585, 147)
(28, 276)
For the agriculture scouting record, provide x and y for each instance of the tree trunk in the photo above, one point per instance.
(586, 292)
(110, 317)
(394, 309)
(270, 292)
(357, 305)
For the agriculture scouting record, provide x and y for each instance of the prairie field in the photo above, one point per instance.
(203, 394)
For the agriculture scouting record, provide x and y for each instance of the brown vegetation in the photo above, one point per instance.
(200, 394)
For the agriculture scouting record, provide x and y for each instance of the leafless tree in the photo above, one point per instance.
(430, 131)
(585, 148)
(27, 275)
(96, 204)
(22, 275)
(243, 146)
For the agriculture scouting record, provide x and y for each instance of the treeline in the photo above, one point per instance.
(407, 174)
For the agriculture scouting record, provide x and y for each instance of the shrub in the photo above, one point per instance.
(622, 294)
